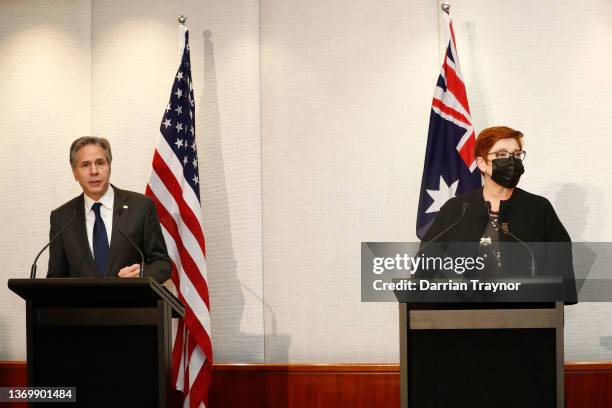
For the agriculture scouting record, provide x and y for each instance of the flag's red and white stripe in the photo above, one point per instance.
(179, 211)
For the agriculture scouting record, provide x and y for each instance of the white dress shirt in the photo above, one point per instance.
(106, 211)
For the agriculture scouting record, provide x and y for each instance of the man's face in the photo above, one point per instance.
(92, 170)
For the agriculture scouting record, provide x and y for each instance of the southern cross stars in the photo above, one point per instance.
(441, 195)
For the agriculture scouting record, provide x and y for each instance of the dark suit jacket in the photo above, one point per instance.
(529, 217)
(70, 255)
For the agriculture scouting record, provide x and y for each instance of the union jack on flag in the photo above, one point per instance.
(450, 167)
(175, 190)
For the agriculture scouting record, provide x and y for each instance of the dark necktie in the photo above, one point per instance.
(100, 240)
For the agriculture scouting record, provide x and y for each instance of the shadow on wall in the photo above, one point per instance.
(4, 341)
(478, 96)
(580, 208)
(227, 299)
(583, 212)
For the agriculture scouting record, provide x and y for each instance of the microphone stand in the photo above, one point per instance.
(33, 268)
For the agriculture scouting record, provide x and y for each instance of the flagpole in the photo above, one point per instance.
(442, 28)
(182, 20)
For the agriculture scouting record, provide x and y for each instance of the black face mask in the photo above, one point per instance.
(507, 172)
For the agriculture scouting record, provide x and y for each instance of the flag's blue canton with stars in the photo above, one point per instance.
(450, 167)
(445, 174)
(178, 123)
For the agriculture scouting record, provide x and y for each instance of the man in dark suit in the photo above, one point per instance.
(92, 245)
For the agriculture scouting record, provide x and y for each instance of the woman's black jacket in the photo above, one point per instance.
(529, 217)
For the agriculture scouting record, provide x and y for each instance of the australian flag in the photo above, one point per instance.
(450, 167)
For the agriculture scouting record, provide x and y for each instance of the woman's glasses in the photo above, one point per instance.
(504, 154)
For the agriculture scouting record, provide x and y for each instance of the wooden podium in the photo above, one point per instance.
(482, 354)
(108, 337)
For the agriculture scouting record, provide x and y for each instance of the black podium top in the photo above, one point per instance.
(95, 292)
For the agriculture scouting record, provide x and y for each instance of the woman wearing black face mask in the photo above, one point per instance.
(501, 212)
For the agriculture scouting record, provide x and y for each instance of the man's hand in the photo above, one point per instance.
(131, 271)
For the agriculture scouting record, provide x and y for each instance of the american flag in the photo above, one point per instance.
(450, 167)
(174, 186)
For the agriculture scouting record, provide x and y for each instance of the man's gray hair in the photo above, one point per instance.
(85, 140)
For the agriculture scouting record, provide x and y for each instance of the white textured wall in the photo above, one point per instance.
(346, 92)
(539, 66)
(135, 58)
(75, 68)
(324, 152)
(45, 94)
(346, 88)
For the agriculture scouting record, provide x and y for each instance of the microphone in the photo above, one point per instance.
(464, 209)
(142, 261)
(507, 231)
(56, 236)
